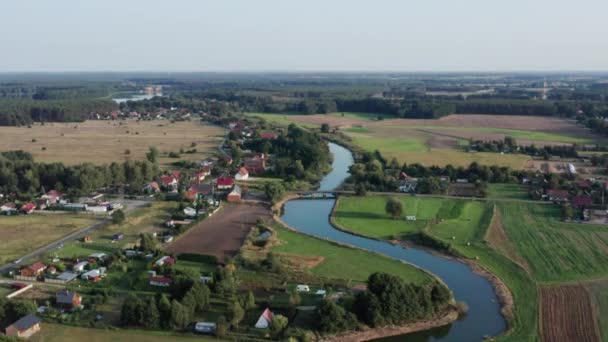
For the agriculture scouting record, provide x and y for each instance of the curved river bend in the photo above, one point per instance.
(484, 317)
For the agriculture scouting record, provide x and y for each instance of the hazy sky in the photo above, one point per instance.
(340, 35)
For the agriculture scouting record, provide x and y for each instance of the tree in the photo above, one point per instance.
(235, 313)
(152, 154)
(394, 207)
(566, 212)
(118, 216)
(279, 323)
(325, 128)
(179, 315)
(360, 189)
(294, 298)
(332, 318)
(221, 328)
(274, 191)
(164, 308)
(249, 301)
(152, 316)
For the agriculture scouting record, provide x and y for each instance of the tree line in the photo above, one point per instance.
(26, 112)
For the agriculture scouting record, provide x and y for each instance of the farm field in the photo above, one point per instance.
(22, 234)
(339, 262)
(65, 333)
(508, 191)
(567, 312)
(102, 142)
(143, 220)
(222, 234)
(556, 251)
(599, 295)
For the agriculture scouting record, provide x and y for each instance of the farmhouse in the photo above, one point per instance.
(235, 194)
(169, 183)
(257, 164)
(165, 261)
(225, 182)
(8, 208)
(265, 319)
(67, 299)
(160, 281)
(242, 175)
(199, 191)
(28, 208)
(24, 327)
(302, 288)
(33, 270)
(52, 196)
(94, 275)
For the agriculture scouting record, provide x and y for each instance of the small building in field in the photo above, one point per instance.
(199, 191)
(557, 195)
(25, 327)
(98, 256)
(160, 281)
(242, 175)
(67, 299)
(265, 319)
(33, 270)
(235, 194)
(224, 183)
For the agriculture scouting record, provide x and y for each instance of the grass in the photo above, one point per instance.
(391, 146)
(106, 141)
(556, 251)
(342, 262)
(280, 119)
(64, 333)
(360, 130)
(508, 191)
(362, 116)
(22, 234)
(599, 295)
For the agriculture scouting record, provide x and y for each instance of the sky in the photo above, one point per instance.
(305, 35)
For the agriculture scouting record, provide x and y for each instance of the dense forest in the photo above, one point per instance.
(25, 112)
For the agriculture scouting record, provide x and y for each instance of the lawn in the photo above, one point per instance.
(556, 251)
(101, 142)
(22, 234)
(64, 333)
(508, 191)
(343, 262)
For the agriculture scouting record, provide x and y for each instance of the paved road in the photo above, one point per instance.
(130, 206)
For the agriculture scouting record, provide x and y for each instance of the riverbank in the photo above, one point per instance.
(500, 288)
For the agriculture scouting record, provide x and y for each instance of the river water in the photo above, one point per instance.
(483, 318)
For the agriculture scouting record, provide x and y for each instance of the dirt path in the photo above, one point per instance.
(222, 234)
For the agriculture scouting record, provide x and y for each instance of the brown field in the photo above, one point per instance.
(222, 234)
(567, 314)
(106, 141)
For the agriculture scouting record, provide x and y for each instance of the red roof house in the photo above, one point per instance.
(269, 135)
(160, 281)
(169, 182)
(234, 195)
(256, 164)
(197, 178)
(33, 270)
(28, 208)
(558, 195)
(176, 174)
(225, 182)
(243, 174)
(265, 319)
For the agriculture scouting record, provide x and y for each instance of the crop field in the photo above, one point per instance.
(555, 250)
(101, 142)
(567, 313)
(22, 234)
(508, 191)
(342, 262)
(64, 333)
(222, 234)
(599, 295)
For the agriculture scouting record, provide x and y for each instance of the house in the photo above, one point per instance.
(403, 176)
(53, 196)
(190, 212)
(557, 195)
(98, 256)
(25, 327)
(206, 279)
(205, 170)
(235, 194)
(28, 208)
(581, 201)
(94, 275)
(265, 319)
(168, 239)
(8, 208)
(33, 270)
(79, 267)
(67, 299)
(302, 288)
(87, 239)
(571, 169)
(408, 185)
(160, 281)
(269, 135)
(176, 174)
(67, 277)
(242, 175)
(204, 327)
(165, 261)
(462, 181)
(197, 178)
(169, 183)
(228, 160)
(151, 187)
(257, 164)
(321, 293)
(410, 218)
(199, 191)
(224, 182)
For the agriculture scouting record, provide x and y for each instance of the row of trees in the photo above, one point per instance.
(20, 173)
(26, 112)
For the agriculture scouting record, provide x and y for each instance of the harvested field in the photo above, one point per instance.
(567, 314)
(222, 234)
(107, 141)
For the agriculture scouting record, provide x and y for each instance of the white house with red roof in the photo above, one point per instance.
(169, 182)
(52, 196)
(160, 281)
(265, 319)
(224, 182)
(197, 178)
(242, 175)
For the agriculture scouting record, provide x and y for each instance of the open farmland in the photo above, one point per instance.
(599, 294)
(66, 333)
(108, 141)
(567, 314)
(555, 250)
(222, 234)
(22, 234)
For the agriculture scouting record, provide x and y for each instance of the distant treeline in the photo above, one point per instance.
(25, 112)
(19, 173)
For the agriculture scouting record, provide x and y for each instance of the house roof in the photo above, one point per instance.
(205, 189)
(36, 267)
(54, 193)
(154, 185)
(26, 322)
(267, 315)
(176, 173)
(166, 180)
(66, 297)
(225, 181)
(163, 280)
(579, 201)
(236, 191)
(28, 206)
(243, 171)
(269, 135)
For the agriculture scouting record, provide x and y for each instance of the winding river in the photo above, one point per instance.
(483, 318)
